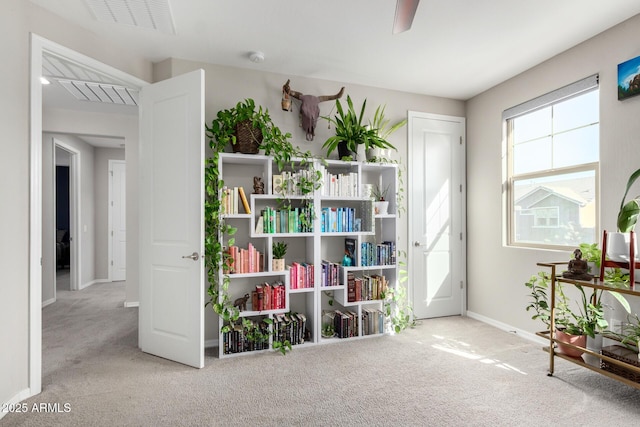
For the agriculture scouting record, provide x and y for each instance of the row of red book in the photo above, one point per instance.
(268, 297)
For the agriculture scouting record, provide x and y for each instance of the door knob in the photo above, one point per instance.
(416, 243)
(194, 256)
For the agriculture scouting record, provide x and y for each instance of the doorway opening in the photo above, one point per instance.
(66, 161)
(40, 48)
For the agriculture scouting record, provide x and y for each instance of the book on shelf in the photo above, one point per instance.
(350, 250)
(278, 184)
(243, 199)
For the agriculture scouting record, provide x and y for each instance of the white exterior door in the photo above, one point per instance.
(117, 215)
(171, 316)
(437, 214)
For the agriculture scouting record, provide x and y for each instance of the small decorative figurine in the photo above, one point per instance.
(258, 185)
(346, 260)
(241, 303)
(578, 268)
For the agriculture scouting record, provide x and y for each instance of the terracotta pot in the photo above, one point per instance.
(579, 340)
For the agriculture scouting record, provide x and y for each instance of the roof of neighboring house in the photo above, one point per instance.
(535, 196)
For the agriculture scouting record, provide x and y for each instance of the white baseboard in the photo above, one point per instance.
(48, 302)
(24, 394)
(129, 304)
(508, 328)
(211, 343)
(93, 282)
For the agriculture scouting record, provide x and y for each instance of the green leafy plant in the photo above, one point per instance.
(628, 214)
(587, 320)
(591, 253)
(351, 129)
(378, 193)
(630, 336)
(397, 307)
(380, 124)
(279, 250)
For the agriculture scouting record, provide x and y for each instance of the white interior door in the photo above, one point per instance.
(171, 316)
(437, 214)
(117, 215)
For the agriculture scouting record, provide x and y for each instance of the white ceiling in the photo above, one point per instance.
(455, 49)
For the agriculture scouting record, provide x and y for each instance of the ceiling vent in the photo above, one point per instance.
(100, 92)
(87, 84)
(150, 14)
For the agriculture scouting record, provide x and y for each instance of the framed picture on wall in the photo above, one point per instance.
(629, 78)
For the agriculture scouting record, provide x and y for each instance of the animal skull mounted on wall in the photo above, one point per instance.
(309, 109)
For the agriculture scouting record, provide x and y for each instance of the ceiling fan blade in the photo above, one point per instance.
(405, 11)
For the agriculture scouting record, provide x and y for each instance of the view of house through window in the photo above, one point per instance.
(553, 155)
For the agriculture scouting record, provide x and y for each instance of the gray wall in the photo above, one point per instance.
(226, 86)
(497, 273)
(17, 19)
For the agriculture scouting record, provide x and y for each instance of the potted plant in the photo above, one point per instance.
(630, 336)
(592, 254)
(351, 132)
(618, 243)
(279, 250)
(381, 125)
(249, 128)
(570, 327)
(380, 205)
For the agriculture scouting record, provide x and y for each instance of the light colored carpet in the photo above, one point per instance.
(446, 372)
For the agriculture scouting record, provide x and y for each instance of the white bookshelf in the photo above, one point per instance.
(311, 246)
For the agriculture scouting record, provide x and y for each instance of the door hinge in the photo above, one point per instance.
(112, 203)
(461, 285)
(460, 140)
(111, 172)
(461, 188)
(111, 233)
(461, 236)
(112, 262)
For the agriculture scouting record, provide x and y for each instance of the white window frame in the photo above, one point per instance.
(578, 88)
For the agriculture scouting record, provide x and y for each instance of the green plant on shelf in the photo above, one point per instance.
(279, 250)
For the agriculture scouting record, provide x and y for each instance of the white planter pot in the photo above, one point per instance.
(381, 208)
(618, 246)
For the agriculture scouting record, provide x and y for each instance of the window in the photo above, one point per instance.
(552, 171)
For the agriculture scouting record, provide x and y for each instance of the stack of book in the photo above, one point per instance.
(269, 297)
(365, 288)
(288, 183)
(231, 198)
(289, 326)
(339, 185)
(301, 275)
(372, 321)
(238, 339)
(330, 274)
(345, 323)
(294, 220)
(377, 254)
(243, 261)
(339, 220)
